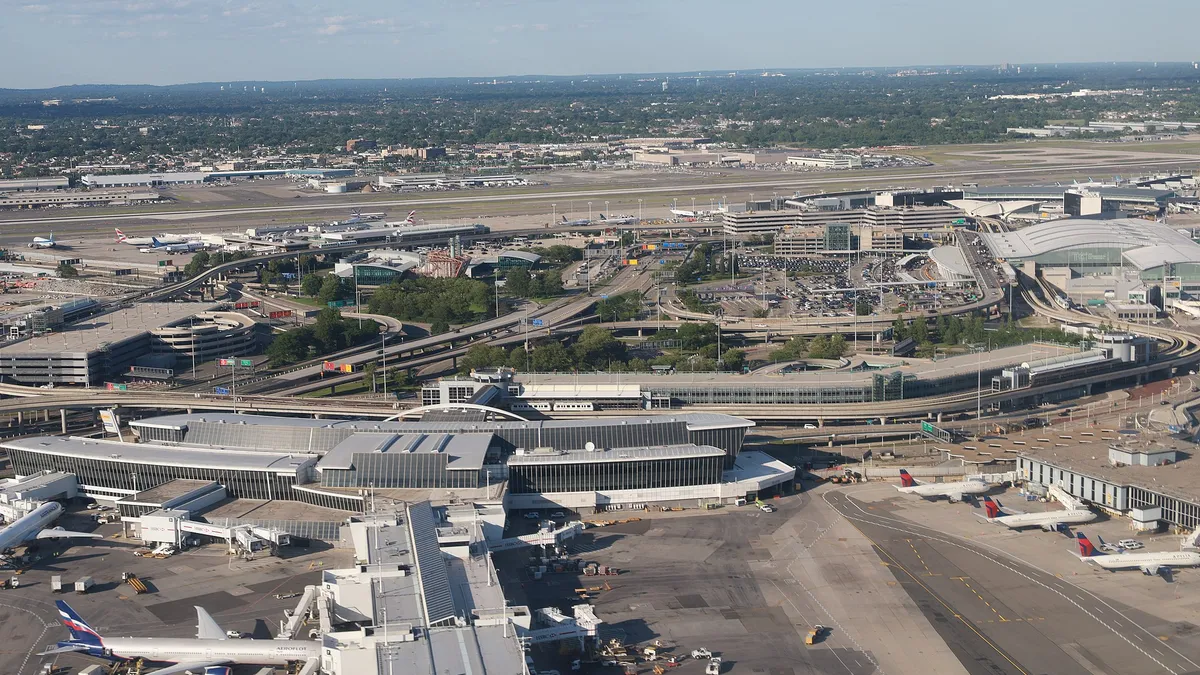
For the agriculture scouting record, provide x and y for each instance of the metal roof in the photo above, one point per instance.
(694, 420)
(463, 451)
(618, 455)
(145, 453)
(435, 581)
(951, 258)
(1145, 244)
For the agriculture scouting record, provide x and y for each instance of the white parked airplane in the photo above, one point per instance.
(158, 246)
(32, 526)
(162, 238)
(44, 242)
(1149, 563)
(954, 491)
(209, 649)
(1049, 521)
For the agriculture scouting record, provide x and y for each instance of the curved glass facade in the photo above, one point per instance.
(630, 475)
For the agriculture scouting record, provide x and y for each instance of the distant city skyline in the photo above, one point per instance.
(48, 43)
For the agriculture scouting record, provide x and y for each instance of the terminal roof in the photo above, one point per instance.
(145, 453)
(464, 451)
(617, 455)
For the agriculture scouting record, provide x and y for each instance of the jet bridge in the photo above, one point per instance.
(545, 536)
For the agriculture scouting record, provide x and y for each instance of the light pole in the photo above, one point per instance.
(553, 213)
(606, 209)
(383, 338)
(639, 210)
(589, 212)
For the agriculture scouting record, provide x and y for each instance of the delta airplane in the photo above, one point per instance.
(1049, 521)
(954, 491)
(582, 222)
(32, 526)
(44, 242)
(210, 649)
(157, 246)
(1149, 563)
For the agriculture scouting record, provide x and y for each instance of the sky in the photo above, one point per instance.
(47, 43)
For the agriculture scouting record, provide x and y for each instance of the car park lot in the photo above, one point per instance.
(239, 594)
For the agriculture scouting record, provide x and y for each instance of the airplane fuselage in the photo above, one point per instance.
(233, 652)
(966, 487)
(1068, 517)
(1123, 561)
(28, 526)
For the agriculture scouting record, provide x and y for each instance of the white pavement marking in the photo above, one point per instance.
(1102, 622)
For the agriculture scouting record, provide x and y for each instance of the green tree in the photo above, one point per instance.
(551, 357)
(899, 329)
(733, 359)
(438, 327)
(837, 347)
(926, 350)
(311, 285)
(517, 282)
(368, 375)
(596, 348)
(791, 350)
(331, 289)
(819, 347)
(862, 307)
(918, 330)
(482, 356)
(289, 347)
(66, 271)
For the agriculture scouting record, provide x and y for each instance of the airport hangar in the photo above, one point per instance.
(1109, 249)
(689, 458)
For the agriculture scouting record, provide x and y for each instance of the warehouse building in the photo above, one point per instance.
(144, 179)
(827, 161)
(35, 184)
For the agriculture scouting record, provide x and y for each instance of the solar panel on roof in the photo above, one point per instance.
(431, 567)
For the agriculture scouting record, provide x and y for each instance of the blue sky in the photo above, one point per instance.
(54, 42)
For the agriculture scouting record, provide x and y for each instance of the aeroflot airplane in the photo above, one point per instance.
(209, 651)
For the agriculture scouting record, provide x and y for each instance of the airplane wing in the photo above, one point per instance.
(955, 496)
(1150, 570)
(206, 627)
(57, 533)
(194, 666)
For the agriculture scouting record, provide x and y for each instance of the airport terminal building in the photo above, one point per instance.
(597, 463)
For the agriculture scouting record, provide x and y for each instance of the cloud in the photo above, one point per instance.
(541, 26)
(331, 29)
(35, 9)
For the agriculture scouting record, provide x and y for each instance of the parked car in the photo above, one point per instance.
(1130, 544)
(533, 515)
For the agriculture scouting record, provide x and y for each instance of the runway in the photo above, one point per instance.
(789, 182)
(1003, 615)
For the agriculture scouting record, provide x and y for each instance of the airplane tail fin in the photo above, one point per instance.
(412, 213)
(992, 507)
(120, 236)
(906, 479)
(155, 242)
(1086, 550)
(564, 219)
(79, 629)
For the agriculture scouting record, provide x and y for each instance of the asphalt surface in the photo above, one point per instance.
(1003, 615)
(16, 219)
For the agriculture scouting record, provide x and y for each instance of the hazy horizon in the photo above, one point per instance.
(136, 42)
